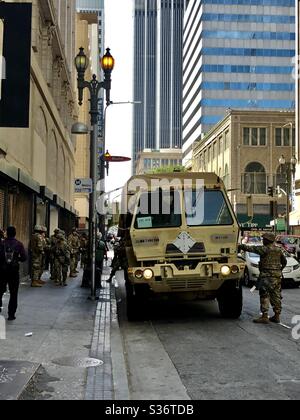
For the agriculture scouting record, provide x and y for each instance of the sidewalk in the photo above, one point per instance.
(67, 331)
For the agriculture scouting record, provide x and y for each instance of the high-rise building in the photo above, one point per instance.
(158, 31)
(237, 54)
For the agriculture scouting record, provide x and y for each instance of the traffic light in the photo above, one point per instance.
(271, 191)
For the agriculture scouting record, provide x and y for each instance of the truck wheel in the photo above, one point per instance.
(137, 302)
(230, 301)
(247, 281)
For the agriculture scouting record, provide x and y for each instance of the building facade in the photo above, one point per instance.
(237, 54)
(37, 163)
(244, 150)
(158, 29)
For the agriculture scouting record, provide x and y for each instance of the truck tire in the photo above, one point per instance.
(230, 300)
(137, 302)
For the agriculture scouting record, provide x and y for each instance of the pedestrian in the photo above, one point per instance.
(12, 252)
(37, 249)
(272, 262)
(84, 245)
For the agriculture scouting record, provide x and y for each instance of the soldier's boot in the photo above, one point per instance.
(42, 282)
(264, 319)
(35, 283)
(276, 318)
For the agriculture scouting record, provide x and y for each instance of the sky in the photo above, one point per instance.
(118, 124)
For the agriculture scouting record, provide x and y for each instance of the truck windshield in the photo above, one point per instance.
(206, 208)
(158, 209)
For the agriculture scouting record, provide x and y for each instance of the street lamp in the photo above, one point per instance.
(289, 169)
(81, 63)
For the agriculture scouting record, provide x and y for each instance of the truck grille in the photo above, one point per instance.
(180, 284)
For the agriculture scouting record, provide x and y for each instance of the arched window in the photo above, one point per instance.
(255, 179)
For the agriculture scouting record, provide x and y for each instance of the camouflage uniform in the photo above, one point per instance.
(84, 244)
(74, 245)
(61, 260)
(119, 261)
(37, 252)
(272, 262)
(46, 245)
(53, 241)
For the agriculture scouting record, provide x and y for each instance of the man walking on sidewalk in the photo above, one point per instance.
(12, 252)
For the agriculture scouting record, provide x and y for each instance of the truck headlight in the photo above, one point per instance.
(225, 270)
(148, 274)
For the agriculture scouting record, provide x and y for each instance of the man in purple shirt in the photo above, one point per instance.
(12, 252)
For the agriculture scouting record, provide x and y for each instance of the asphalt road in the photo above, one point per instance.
(186, 351)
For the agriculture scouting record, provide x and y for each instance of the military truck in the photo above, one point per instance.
(180, 236)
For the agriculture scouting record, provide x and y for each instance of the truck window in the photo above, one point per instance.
(158, 209)
(206, 208)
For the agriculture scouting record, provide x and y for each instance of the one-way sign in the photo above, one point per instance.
(83, 185)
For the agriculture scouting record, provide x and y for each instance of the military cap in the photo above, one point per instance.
(38, 228)
(44, 229)
(269, 236)
(56, 230)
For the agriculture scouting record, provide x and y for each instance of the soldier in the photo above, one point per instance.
(37, 253)
(84, 244)
(272, 262)
(61, 261)
(119, 261)
(53, 241)
(74, 245)
(46, 243)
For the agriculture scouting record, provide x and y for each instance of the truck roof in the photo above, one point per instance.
(209, 178)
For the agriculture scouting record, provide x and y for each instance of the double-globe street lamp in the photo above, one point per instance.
(94, 86)
(289, 170)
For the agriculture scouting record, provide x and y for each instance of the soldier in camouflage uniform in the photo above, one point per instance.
(53, 241)
(46, 244)
(272, 262)
(74, 245)
(119, 261)
(37, 253)
(61, 260)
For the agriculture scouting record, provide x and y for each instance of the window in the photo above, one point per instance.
(254, 179)
(226, 143)
(158, 209)
(206, 208)
(253, 136)
(285, 136)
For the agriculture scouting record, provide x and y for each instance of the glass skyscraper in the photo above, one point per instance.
(158, 38)
(237, 54)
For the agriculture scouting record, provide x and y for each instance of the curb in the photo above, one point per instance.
(109, 380)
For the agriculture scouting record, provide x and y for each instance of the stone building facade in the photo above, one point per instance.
(37, 163)
(244, 150)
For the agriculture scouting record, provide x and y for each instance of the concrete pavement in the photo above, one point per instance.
(60, 344)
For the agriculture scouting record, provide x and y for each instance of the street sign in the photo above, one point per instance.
(83, 185)
(114, 159)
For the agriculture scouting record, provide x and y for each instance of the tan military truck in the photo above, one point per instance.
(180, 239)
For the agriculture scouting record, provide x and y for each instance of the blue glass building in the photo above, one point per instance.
(237, 54)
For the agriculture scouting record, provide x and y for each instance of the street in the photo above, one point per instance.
(187, 351)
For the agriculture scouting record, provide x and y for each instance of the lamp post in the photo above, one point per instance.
(289, 169)
(94, 86)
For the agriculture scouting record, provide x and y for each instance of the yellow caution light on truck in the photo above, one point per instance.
(225, 270)
(235, 269)
(148, 274)
(139, 274)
